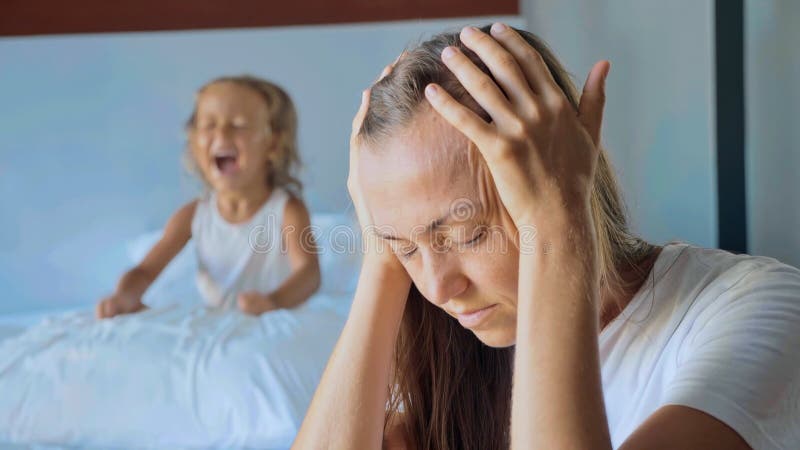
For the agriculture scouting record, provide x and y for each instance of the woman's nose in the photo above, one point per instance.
(444, 281)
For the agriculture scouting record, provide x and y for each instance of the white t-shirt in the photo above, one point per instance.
(713, 331)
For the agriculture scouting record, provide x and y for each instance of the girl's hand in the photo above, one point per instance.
(255, 303)
(541, 153)
(118, 303)
(376, 250)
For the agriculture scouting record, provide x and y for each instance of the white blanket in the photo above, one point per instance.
(171, 377)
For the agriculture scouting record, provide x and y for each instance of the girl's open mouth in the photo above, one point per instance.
(226, 162)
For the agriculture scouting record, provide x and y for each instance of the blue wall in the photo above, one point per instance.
(659, 117)
(772, 64)
(91, 137)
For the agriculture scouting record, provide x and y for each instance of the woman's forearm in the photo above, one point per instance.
(557, 394)
(348, 408)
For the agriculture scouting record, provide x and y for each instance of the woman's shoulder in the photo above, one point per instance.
(737, 343)
(718, 297)
(701, 290)
(718, 274)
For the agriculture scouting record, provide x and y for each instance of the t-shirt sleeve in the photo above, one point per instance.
(740, 360)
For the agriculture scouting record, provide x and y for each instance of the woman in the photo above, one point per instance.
(511, 259)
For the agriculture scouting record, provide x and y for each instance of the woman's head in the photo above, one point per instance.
(243, 133)
(432, 199)
(416, 171)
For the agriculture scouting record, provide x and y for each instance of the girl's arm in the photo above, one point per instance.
(127, 297)
(305, 277)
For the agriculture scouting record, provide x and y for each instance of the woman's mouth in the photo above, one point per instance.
(475, 318)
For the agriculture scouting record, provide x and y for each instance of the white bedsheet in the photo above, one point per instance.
(171, 377)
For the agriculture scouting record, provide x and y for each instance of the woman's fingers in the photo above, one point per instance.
(593, 100)
(459, 116)
(529, 60)
(501, 63)
(479, 85)
(362, 111)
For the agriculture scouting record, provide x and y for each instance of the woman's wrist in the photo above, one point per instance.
(556, 231)
(385, 269)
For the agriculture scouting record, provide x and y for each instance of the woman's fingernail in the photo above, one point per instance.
(431, 90)
(498, 27)
(448, 52)
(469, 31)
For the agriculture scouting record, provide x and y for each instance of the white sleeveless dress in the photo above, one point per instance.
(236, 258)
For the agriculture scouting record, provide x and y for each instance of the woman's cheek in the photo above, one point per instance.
(415, 270)
(494, 267)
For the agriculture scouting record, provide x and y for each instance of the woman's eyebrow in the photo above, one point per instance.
(432, 226)
(437, 223)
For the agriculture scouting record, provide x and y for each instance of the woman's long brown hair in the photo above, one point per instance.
(449, 390)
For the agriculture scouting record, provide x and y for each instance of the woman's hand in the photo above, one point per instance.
(376, 251)
(541, 153)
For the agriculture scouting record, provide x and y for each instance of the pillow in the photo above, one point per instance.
(338, 241)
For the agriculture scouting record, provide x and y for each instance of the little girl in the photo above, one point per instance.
(251, 230)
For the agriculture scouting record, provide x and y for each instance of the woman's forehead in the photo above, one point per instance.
(419, 175)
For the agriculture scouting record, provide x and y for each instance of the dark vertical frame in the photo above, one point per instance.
(730, 132)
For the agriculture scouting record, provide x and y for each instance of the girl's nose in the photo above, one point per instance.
(223, 132)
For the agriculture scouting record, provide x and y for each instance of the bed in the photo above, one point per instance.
(179, 375)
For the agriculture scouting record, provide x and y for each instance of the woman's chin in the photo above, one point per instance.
(499, 337)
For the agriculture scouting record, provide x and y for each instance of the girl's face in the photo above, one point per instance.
(231, 141)
(432, 198)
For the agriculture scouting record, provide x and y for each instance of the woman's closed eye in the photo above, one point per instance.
(404, 250)
(478, 235)
(459, 237)
(407, 250)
